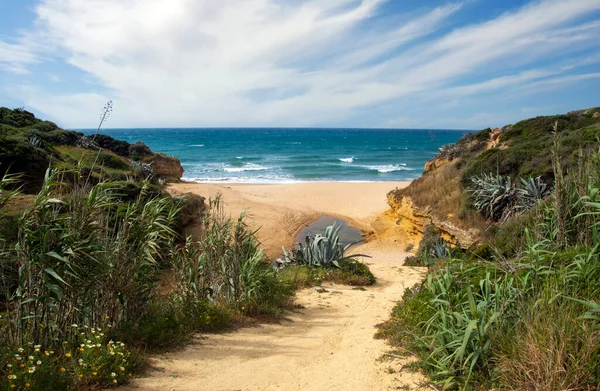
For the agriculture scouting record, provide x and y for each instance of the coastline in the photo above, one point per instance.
(281, 211)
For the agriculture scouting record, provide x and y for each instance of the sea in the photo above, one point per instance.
(271, 155)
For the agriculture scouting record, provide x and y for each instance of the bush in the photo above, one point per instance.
(431, 247)
(139, 150)
(92, 361)
(351, 272)
(228, 268)
(118, 147)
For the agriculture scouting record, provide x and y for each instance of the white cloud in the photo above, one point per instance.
(15, 57)
(268, 62)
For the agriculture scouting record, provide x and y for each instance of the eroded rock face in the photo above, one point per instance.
(415, 220)
(596, 114)
(191, 215)
(166, 167)
(435, 163)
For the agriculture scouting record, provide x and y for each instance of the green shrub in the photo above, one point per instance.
(351, 272)
(407, 319)
(92, 361)
(228, 268)
(430, 246)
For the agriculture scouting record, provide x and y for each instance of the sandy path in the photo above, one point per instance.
(327, 343)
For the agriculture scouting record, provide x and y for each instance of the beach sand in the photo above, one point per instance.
(282, 210)
(326, 342)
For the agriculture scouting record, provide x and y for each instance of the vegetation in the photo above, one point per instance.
(431, 248)
(29, 146)
(513, 152)
(520, 312)
(82, 281)
(497, 198)
(323, 258)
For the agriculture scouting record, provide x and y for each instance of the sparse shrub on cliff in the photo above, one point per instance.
(139, 150)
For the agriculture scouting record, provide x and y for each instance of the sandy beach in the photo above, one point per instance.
(282, 210)
(327, 341)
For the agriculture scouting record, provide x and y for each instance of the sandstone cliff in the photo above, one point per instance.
(166, 167)
(521, 150)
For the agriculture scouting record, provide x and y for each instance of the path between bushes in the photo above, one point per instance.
(325, 344)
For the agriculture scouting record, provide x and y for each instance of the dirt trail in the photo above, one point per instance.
(325, 344)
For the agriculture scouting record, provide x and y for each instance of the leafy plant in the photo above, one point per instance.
(319, 251)
(532, 191)
(493, 195)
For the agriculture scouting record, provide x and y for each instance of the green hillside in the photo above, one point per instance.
(29, 146)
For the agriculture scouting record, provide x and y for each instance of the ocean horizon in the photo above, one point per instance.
(291, 155)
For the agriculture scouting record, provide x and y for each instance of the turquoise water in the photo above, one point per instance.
(295, 155)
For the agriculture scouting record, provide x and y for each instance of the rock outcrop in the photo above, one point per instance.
(191, 215)
(166, 167)
(415, 219)
(436, 163)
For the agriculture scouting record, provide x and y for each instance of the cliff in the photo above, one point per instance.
(28, 146)
(521, 150)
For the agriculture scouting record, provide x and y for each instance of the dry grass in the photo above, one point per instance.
(440, 190)
(557, 351)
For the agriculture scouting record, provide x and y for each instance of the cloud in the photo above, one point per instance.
(15, 57)
(300, 63)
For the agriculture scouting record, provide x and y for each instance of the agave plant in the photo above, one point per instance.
(319, 250)
(531, 192)
(439, 250)
(493, 195)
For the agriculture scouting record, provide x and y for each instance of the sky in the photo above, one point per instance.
(468, 64)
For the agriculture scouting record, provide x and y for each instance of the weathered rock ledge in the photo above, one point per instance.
(167, 167)
(416, 219)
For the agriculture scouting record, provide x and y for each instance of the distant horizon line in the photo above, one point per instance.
(270, 128)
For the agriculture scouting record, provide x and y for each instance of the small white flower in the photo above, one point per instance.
(30, 358)
(113, 374)
(39, 362)
(20, 350)
(74, 325)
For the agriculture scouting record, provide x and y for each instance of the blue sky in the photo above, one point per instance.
(337, 63)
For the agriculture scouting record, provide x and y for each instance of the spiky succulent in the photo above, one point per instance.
(532, 190)
(493, 195)
(319, 250)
